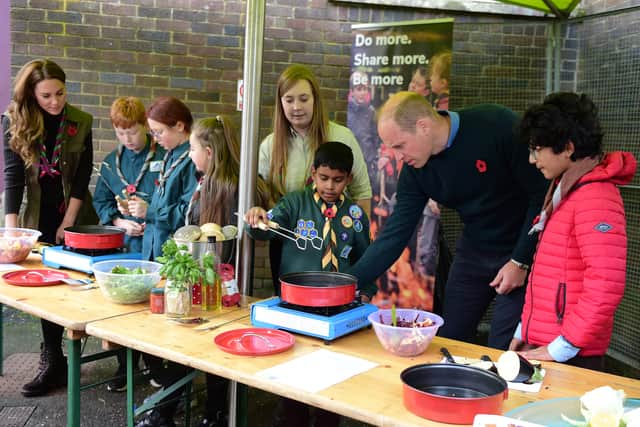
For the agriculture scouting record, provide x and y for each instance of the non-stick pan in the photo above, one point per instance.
(452, 393)
(94, 237)
(318, 288)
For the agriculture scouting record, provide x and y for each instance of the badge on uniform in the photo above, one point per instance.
(357, 225)
(355, 211)
(346, 221)
(155, 166)
(269, 215)
(344, 236)
(344, 253)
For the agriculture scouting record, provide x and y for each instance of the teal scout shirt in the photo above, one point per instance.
(298, 211)
(110, 184)
(169, 202)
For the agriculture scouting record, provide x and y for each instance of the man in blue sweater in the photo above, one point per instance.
(469, 161)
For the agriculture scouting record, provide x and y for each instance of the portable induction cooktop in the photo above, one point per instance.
(327, 323)
(82, 259)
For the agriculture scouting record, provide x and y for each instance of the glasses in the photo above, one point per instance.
(533, 152)
(158, 133)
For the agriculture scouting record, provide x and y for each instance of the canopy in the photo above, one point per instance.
(560, 8)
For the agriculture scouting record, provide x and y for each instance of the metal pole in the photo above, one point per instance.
(252, 76)
(551, 41)
(557, 61)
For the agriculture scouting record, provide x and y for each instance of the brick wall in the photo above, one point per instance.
(193, 49)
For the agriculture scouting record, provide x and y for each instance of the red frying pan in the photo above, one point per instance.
(94, 237)
(318, 288)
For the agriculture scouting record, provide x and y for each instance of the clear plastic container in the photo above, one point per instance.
(16, 244)
(128, 288)
(405, 341)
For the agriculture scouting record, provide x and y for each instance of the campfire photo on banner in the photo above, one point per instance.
(385, 59)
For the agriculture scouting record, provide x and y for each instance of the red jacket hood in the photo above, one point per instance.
(618, 167)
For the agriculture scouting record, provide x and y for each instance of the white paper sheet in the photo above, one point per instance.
(10, 267)
(317, 371)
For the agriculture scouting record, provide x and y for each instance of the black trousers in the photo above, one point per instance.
(275, 257)
(52, 336)
(217, 387)
(468, 295)
(291, 413)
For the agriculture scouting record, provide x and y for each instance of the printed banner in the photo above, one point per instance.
(388, 58)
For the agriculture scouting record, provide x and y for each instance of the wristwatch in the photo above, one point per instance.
(521, 266)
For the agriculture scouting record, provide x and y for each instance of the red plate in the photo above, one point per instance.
(35, 277)
(254, 341)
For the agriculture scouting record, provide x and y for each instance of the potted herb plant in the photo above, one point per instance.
(181, 271)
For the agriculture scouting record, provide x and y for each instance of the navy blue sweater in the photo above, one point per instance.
(485, 176)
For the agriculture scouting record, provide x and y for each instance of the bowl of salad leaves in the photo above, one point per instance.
(127, 281)
(405, 332)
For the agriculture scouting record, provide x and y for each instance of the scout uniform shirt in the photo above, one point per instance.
(169, 202)
(121, 175)
(299, 211)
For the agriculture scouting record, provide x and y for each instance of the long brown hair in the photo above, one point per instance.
(218, 192)
(25, 115)
(318, 128)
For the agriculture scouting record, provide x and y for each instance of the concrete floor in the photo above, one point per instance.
(99, 407)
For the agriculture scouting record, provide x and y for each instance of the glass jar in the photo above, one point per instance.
(196, 294)
(177, 299)
(156, 301)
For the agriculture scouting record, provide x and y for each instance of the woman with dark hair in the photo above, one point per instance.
(300, 125)
(170, 124)
(47, 148)
(578, 274)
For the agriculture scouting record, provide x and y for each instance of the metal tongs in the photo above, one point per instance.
(300, 240)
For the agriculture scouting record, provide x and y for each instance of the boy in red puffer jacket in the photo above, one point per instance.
(578, 275)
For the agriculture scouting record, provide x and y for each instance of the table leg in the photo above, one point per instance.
(73, 383)
(238, 406)
(1, 340)
(130, 385)
(187, 404)
(243, 407)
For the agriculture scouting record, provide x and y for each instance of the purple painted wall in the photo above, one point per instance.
(5, 69)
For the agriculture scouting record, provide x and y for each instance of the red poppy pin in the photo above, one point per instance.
(72, 130)
(329, 213)
(481, 165)
(131, 189)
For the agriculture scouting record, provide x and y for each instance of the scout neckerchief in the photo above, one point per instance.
(329, 259)
(132, 188)
(164, 175)
(46, 167)
(559, 189)
(194, 198)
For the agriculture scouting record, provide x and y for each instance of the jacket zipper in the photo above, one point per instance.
(525, 333)
(561, 301)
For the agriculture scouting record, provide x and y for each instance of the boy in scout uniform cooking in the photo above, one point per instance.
(332, 233)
